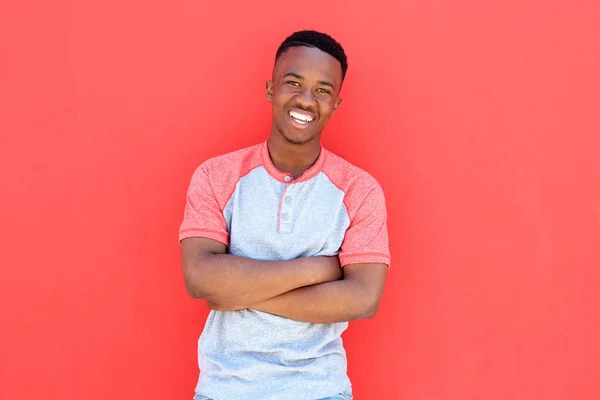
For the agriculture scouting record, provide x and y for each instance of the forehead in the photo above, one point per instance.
(310, 63)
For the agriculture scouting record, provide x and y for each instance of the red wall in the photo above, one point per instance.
(480, 120)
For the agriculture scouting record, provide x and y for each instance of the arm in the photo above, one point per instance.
(213, 275)
(356, 296)
(364, 253)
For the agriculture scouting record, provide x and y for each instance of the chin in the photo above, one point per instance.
(297, 139)
(294, 137)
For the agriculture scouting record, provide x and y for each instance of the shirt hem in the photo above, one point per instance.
(208, 234)
(362, 258)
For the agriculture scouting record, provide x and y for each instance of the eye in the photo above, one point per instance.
(293, 83)
(325, 91)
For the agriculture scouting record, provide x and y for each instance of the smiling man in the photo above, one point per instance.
(287, 242)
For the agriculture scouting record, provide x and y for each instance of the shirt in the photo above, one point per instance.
(242, 200)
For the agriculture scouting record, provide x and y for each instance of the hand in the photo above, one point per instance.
(218, 307)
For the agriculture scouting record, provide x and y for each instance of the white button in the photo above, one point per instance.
(285, 216)
(287, 178)
(287, 200)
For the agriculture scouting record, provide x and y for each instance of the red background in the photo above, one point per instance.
(480, 120)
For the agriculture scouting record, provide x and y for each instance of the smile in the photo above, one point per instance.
(301, 118)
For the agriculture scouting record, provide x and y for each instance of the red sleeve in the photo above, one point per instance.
(203, 217)
(366, 239)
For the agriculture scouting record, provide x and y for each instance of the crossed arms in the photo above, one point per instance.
(313, 289)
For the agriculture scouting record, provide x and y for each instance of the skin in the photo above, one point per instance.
(230, 281)
(306, 81)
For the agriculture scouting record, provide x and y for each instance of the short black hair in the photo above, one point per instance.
(321, 41)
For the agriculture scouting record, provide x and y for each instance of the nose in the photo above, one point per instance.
(306, 98)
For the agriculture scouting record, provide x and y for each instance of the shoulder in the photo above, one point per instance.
(220, 174)
(361, 189)
(348, 177)
(235, 162)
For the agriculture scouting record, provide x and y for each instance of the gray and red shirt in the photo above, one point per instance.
(259, 212)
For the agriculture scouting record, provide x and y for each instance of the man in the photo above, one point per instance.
(287, 242)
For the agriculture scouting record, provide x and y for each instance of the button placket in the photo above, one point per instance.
(287, 211)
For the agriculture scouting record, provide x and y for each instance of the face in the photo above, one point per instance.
(304, 93)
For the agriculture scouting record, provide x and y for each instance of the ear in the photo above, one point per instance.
(269, 87)
(338, 101)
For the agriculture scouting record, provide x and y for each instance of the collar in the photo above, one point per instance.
(284, 177)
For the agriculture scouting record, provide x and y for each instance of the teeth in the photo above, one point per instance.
(301, 117)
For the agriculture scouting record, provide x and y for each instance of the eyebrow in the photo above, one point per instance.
(300, 77)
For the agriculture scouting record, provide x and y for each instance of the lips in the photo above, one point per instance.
(301, 118)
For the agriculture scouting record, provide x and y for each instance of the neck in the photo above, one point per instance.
(293, 158)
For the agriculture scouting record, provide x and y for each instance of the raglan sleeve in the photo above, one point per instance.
(203, 216)
(366, 239)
